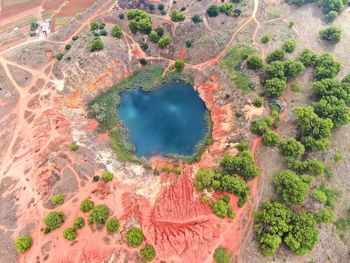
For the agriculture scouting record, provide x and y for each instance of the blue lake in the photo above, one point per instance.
(169, 120)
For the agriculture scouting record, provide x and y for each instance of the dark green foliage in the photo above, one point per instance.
(275, 87)
(315, 131)
(68, 47)
(160, 31)
(93, 25)
(57, 199)
(143, 61)
(96, 178)
(255, 62)
(134, 237)
(323, 216)
(221, 255)
(289, 45)
(332, 5)
(121, 16)
(86, 205)
(151, 7)
(75, 38)
(164, 41)
(333, 108)
(226, 8)
(153, 36)
(179, 65)
(276, 55)
(23, 244)
(160, 7)
(79, 223)
(74, 147)
(53, 220)
(99, 214)
(308, 57)
(234, 184)
(275, 70)
(331, 16)
(242, 146)
(196, 18)
(310, 166)
(331, 34)
(96, 45)
(116, 31)
(33, 26)
(261, 126)
(326, 67)
(112, 225)
(291, 148)
(213, 11)
(103, 32)
(271, 138)
(258, 102)
(291, 186)
(177, 16)
(303, 234)
(139, 21)
(59, 56)
(107, 176)
(265, 39)
(70, 234)
(148, 252)
(243, 165)
(292, 68)
(221, 207)
(144, 46)
(189, 42)
(332, 87)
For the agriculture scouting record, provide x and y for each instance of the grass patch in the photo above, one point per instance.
(273, 14)
(232, 62)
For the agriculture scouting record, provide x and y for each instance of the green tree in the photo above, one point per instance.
(265, 39)
(324, 215)
(23, 244)
(116, 31)
(213, 11)
(275, 70)
(319, 196)
(332, 87)
(164, 41)
(331, 16)
(112, 225)
(261, 126)
(275, 88)
(289, 45)
(234, 184)
(221, 207)
(99, 214)
(276, 55)
(291, 186)
(139, 21)
(86, 205)
(221, 255)
(196, 18)
(57, 199)
(308, 57)
(148, 252)
(179, 65)
(326, 67)
(333, 108)
(271, 138)
(134, 237)
(53, 221)
(107, 176)
(93, 25)
(160, 7)
(255, 62)
(204, 178)
(70, 234)
(331, 34)
(226, 8)
(292, 68)
(269, 244)
(96, 45)
(79, 223)
(177, 16)
(291, 148)
(258, 102)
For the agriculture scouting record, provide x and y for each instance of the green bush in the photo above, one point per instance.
(79, 223)
(107, 176)
(221, 255)
(68, 47)
(116, 31)
(177, 16)
(226, 8)
(289, 45)
(291, 148)
(189, 42)
(96, 45)
(57, 199)
(23, 243)
(196, 18)
(121, 16)
(308, 57)
(134, 237)
(295, 87)
(265, 39)
(143, 61)
(99, 214)
(75, 38)
(112, 225)
(258, 102)
(139, 20)
(153, 36)
(324, 215)
(271, 138)
(93, 25)
(86, 206)
(179, 65)
(221, 207)
(338, 156)
(276, 55)
(326, 67)
(160, 7)
(331, 34)
(261, 126)
(53, 221)
(319, 196)
(70, 234)
(275, 87)
(59, 56)
(164, 41)
(255, 62)
(74, 147)
(331, 16)
(160, 31)
(213, 11)
(148, 252)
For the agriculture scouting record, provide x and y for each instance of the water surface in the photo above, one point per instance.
(169, 120)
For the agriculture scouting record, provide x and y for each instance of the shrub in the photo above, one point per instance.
(265, 39)
(164, 41)
(177, 16)
(144, 46)
(112, 225)
(53, 221)
(96, 45)
(221, 207)
(59, 56)
(116, 31)
(134, 237)
(319, 196)
(99, 214)
(189, 42)
(289, 45)
(292, 68)
(213, 11)
(291, 148)
(96, 178)
(325, 215)
(160, 31)
(271, 138)
(258, 102)
(153, 36)
(255, 62)
(179, 65)
(70, 234)
(261, 126)
(57, 199)
(75, 38)
(143, 62)
(101, 26)
(275, 87)
(151, 7)
(295, 87)
(308, 57)
(68, 47)
(331, 16)
(276, 55)
(23, 243)
(86, 206)
(196, 18)
(160, 7)
(93, 25)
(74, 147)
(326, 67)
(338, 156)
(79, 223)
(226, 8)
(139, 21)
(221, 255)
(107, 176)
(148, 252)
(121, 16)
(331, 34)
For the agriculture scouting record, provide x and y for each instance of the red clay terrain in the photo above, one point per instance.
(42, 111)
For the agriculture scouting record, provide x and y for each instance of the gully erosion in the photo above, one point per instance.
(49, 115)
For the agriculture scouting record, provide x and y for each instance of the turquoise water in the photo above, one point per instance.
(169, 120)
